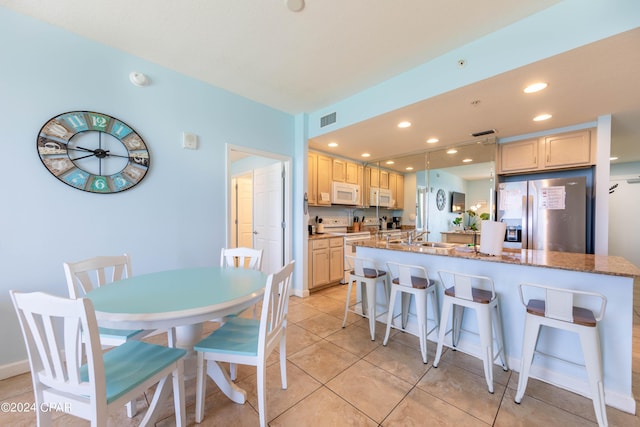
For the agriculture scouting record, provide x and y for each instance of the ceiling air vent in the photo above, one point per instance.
(483, 133)
(327, 120)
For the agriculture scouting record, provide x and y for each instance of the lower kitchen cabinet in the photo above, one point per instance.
(326, 262)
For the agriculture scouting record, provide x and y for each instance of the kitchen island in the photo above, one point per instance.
(610, 276)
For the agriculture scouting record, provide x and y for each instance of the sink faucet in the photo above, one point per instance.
(414, 235)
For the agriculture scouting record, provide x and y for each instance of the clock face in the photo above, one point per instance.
(440, 199)
(93, 152)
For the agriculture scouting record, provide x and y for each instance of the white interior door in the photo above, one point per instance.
(268, 199)
(244, 215)
(623, 202)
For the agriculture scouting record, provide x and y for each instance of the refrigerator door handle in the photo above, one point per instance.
(528, 222)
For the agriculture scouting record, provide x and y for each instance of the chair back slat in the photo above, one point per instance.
(248, 258)
(86, 275)
(362, 266)
(559, 305)
(406, 274)
(466, 285)
(463, 287)
(274, 308)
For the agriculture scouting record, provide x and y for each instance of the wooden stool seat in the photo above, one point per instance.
(481, 296)
(581, 316)
(416, 282)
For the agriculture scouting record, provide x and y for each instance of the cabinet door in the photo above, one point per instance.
(400, 191)
(518, 156)
(374, 177)
(336, 263)
(384, 179)
(567, 150)
(339, 170)
(313, 179)
(352, 173)
(324, 180)
(320, 267)
(393, 178)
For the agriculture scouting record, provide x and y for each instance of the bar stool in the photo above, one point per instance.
(477, 292)
(411, 280)
(365, 272)
(554, 307)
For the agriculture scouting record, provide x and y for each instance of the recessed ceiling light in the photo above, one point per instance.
(365, 155)
(390, 162)
(452, 151)
(333, 144)
(536, 87)
(542, 117)
(404, 124)
(409, 168)
(294, 5)
(611, 159)
(467, 160)
(432, 140)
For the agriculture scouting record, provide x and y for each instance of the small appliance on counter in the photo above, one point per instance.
(397, 222)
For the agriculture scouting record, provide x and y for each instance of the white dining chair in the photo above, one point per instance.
(86, 275)
(249, 341)
(241, 258)
(71, 374)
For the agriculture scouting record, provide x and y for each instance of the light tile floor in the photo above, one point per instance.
(340, 377)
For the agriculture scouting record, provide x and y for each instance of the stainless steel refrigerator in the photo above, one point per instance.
(547, 214)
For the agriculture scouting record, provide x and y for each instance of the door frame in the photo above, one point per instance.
(286, 196)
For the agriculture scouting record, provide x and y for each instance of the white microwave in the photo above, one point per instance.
(380, 197)
(345, 194)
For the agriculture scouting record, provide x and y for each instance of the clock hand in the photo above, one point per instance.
(86, 149)
(80, 149)
(83, 157)
(116, 155)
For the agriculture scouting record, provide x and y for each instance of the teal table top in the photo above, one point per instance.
(176, 297)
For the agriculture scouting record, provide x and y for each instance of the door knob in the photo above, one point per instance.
(255, 232)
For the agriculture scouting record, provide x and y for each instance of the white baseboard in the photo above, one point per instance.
(13, 369)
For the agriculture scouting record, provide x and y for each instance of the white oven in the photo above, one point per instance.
(380, 197)
(345, 194)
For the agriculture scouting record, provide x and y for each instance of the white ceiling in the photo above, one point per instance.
(302, 62)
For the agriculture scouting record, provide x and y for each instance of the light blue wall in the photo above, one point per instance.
(174, 218)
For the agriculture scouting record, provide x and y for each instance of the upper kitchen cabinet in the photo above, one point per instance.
(396, 185)
(312, 168)
(320, 168)
(345, 171)
(567, 150)
(384, 179)
(518, 156)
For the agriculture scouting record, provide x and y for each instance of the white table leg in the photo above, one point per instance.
(222, 379)
(186, 337)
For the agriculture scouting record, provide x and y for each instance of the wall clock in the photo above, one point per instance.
(93, 152)
(441, 199)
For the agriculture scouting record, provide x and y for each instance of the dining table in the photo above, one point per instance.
(181, 300)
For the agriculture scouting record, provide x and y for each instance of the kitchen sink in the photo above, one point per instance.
(437, 245)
